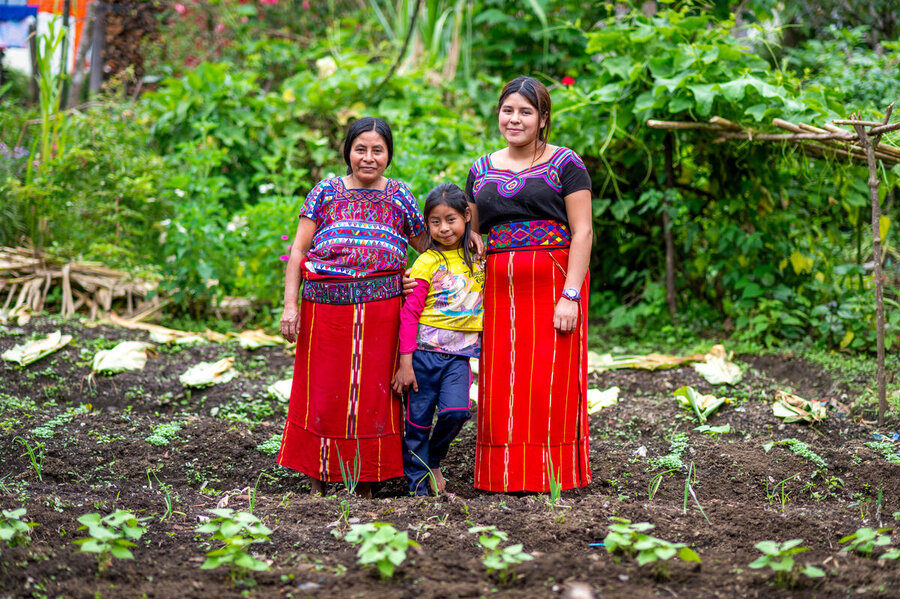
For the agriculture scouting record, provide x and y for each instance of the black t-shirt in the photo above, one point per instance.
(536, 193)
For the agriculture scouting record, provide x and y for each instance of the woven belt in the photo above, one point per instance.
(353, 291)
(535, 234)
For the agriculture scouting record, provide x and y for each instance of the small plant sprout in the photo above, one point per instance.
(496, 559)
(350, 475)
(865, 540)
(625, 537)
(714, 431)
(672, 461)
(689, 491)
(555, 480)
(110, 536)
(779, 557)
(380, 544)
(653, 487)
(237, 530)
(13, 529)
(35, 454)
(774, 494)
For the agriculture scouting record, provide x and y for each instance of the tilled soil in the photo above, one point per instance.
(100, 460)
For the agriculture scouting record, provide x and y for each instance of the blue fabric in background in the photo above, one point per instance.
(16, 13)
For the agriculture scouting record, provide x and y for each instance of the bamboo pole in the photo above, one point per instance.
(869, 143)
(667, 228)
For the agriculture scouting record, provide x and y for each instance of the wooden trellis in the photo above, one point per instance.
(863, 143)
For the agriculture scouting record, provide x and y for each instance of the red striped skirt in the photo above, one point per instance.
(342, 408)
(532, 382)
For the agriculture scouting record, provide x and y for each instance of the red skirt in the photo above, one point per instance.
(532, 382)
(342, 408)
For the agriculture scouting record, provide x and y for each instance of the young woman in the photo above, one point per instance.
(350, 251)
(534, 201)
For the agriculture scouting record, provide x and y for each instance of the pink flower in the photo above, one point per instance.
(180, 9)
(567, 80)
(220, 27)
(284, 237)
(244, 19)
(269, 1)
(284, 258)
(305, 4)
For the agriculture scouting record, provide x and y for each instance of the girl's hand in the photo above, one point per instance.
(405, 377)
(290, 324)
(409, 285)
(476, 244)
(565, 317)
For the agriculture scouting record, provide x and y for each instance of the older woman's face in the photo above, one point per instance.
(519, 120)
(368, 157)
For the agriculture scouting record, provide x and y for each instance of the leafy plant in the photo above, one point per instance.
(237, 531)
(801, 449)
(165, 433)
(555, 481)
(779, 558)
(625, 537)
(13, 529)
(713, 431)
(703, 406)
(866, 539)
(496, 559)
(380, 544)
(672, 460)
(110, 536)
(270, 446)
(689, 490)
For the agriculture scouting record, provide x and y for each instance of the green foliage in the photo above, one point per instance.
(270, 446)
(164, 433)
(672, 460)
(110, 536)
(495, 558)
(887, 450)
(13, 529)
(866, 539)
(48, 429)
(779, 558)
(801, 449)
(625, 537)
(237, 531)
(713, 431)
(380, 544)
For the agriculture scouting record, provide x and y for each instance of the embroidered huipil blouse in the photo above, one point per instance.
(360, 231)
(534, 194)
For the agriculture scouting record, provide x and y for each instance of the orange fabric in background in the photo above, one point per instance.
(79, 10)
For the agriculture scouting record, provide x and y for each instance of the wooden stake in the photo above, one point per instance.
(667, 229)
(869, 144)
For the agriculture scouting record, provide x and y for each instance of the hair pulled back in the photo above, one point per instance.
(536, 94)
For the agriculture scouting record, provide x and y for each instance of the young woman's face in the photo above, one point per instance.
(368, 158)
(447, 226)
(519, 121)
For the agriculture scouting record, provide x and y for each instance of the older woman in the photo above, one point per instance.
(350, 250)
(534, 200)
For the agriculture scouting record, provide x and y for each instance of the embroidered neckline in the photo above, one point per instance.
(345, 188)
(536, 167)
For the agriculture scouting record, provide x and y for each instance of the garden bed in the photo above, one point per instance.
(99, 460)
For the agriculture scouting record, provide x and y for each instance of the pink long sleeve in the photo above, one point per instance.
(409, 316)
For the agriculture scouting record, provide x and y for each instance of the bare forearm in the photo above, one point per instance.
(292, 279)
(579, 258)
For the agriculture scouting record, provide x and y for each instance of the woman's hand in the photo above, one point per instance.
(405, 377)
(290, 324)
(565, 317)
(476, 244)
(409, 285)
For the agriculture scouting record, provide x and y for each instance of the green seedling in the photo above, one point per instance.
(653, 487)
(380, 544)
(627, 538)
(37, 459)
(779, 557)
(252, 494)
(865, 540)
(430, 472)
(237, 531)
(349, 475)
(555, 481)
(14, 530)
(714, 431)
(270, 447)
(672, 461)
(774, 494)
(164, 433)
(496, 559)
(689, 491)
(801, 449)
(167, 489)
(703, 406)
(110, 536)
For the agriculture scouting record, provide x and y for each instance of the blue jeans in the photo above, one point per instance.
(443, 381)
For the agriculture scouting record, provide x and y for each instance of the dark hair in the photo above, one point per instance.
(537, 95)
(448, 194)
(360, 126)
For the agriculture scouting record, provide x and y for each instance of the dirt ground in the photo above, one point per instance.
(99, 461)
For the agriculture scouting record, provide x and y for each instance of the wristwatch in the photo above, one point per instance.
(570, 293)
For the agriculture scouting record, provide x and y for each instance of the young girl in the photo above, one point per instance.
(440, 329)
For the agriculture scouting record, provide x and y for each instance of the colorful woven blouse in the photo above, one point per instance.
(536, 193)
(360, 231)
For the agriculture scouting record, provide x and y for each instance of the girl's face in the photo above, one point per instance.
(447, 226)
(368, 158)
(519, 121)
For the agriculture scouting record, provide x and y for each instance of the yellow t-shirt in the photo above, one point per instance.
(455, 298)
